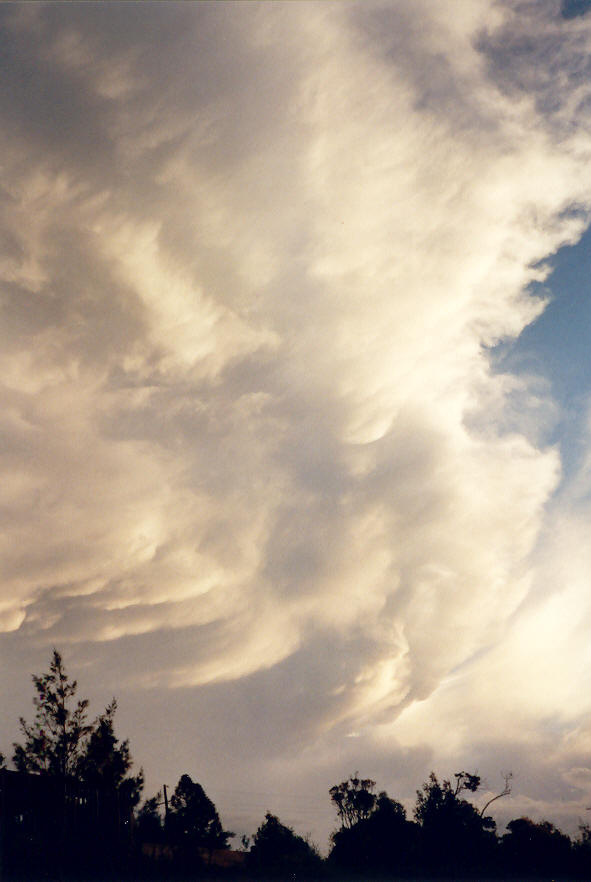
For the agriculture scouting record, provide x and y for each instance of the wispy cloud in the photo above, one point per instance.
(253, 259)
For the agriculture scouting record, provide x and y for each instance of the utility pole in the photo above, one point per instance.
(165, 805)
(3, 784)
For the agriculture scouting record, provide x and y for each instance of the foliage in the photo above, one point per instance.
(466, 781)
(106, 762)
(354, 799)
(535, 847)
(277, 849)
(581, 852)
(81, 816)
(383, 842)
(148, 821)
(193, 820)
(454, 835)
(69, 813)
(55, 740)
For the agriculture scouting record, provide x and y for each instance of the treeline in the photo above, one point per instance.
(71, 809)
(448, 836)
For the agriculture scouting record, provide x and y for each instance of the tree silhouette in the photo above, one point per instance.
(466, 781)
(55, 740)
(77, 795)
(382, 843)
(507, 777)
(103, 771)
(354, 799)
(106, 761)
(277, 850)
(530, 847)
(193, 821)
(149, 823)
(581, 850)
(454, 835)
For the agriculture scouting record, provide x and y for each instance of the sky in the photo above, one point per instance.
(295, 391)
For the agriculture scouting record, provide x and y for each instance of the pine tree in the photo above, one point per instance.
(106, 761)
(54, 742)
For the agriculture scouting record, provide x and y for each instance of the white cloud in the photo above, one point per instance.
(252, 262)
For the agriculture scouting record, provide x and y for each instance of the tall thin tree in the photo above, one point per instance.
(55, 740)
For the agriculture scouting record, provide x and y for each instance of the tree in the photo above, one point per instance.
(507, 777)
(454, 835)
(106, 761)
(277, 850)
(530, 847)
(149, 823)
(55, 740)
(466, 781)
(354, 799)
(193, 821)
(82, 811)
(103, 771)
(382, 843)
(581, 849)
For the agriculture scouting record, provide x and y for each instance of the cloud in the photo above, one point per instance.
(573, 8)
(253, 261)
(521, 703)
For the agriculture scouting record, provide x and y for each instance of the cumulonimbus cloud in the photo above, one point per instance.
(254, 258)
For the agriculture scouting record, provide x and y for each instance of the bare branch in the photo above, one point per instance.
(507, 777)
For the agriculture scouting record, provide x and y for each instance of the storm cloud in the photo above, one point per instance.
(254, 262)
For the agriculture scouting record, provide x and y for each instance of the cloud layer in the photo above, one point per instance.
(253, 259)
